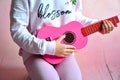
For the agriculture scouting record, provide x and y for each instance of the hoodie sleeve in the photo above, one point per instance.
(19, 22)
(80, 17)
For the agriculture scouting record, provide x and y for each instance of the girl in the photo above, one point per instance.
(28, 16)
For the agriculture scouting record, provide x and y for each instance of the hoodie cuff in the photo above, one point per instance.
(50, 48)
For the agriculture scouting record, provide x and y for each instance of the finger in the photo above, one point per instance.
(103, 29)
(107, 29)
(61, 38)
(106, 25)
(112, 25)
(64, 55)
(69, 51)
(70, 47)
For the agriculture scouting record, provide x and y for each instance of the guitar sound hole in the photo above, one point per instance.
(70, 37)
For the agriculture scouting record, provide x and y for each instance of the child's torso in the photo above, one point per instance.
(50, 12)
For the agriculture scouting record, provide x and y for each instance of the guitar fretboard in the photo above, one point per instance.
(97, 26)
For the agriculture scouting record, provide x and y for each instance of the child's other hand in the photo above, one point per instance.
(107, 27)
(63, 50)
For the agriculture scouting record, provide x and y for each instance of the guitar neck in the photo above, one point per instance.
(97, 26)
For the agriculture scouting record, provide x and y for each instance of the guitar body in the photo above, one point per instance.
(73, 34)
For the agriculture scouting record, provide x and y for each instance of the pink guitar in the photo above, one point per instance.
(76, 35)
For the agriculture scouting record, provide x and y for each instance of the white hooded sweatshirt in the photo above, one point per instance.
(28, 16)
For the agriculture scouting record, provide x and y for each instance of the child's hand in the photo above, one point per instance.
(107, 27)
(63, 50)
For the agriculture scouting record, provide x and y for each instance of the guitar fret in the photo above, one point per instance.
(91, 29)
(115, 21)
(88, 30)
(84, 31)
(94, 28)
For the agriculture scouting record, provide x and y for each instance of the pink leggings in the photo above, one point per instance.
(39, 69)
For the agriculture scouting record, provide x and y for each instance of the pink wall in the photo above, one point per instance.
(102, 51)
(11, 66)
